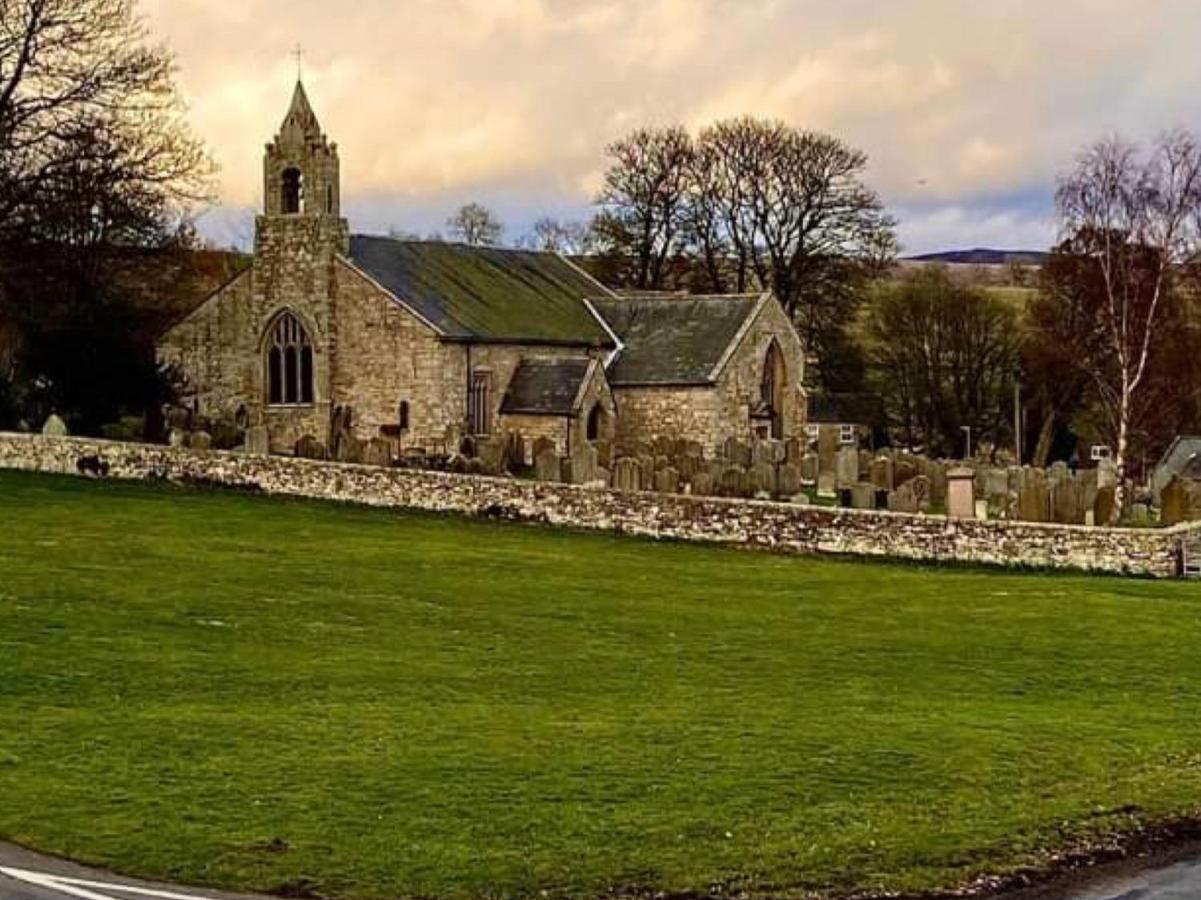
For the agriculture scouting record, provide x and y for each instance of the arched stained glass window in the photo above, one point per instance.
(289, 363)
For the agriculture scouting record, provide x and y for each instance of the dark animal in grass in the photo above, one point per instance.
(92, 466)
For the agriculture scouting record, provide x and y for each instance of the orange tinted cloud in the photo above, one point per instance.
(960, 105)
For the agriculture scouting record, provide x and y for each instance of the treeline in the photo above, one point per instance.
(94, 159)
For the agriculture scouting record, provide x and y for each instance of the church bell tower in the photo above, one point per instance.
(302, 188)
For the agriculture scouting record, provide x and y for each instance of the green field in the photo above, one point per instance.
(231, 690)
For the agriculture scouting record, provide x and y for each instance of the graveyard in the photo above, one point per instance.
(274, 694)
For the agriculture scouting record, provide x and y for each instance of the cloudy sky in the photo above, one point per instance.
(967, 109)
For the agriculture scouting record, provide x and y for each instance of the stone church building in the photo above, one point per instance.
(427, 342)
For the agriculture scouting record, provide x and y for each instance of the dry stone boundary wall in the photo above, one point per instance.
(776, 526)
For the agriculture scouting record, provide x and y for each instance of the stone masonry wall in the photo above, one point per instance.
(385, 356)
(774, 526)
(711, 415)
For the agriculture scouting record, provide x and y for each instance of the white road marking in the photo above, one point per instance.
(78, 887)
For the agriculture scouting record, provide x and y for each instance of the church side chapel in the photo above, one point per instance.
(330, 340)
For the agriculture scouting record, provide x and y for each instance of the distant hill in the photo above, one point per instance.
(983, 256)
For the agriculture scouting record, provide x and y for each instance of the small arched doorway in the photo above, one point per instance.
(596, 423)
(772, 387)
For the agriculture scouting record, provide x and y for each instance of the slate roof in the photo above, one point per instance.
(546, 387)
(1183, 458)
(846, 409)
(672, 340)
(486, 294)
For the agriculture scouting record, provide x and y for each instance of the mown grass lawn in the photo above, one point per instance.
(254, 693)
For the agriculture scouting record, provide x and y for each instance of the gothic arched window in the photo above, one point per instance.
(289, 363)
(291, 191)
(772, 388)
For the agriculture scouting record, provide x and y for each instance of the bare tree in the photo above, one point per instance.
(85, 100)
(476, 225)
(551, 235)
(1134, 216)
(642, 201)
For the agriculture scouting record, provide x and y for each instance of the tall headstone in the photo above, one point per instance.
(1174, 502)
(827, 449)
(258, 440)
(627, 475)
(881, 473)
(809, 468)
(667, 480)
(1103, 505)
(548, 466)
(961, 494)
(847, 469)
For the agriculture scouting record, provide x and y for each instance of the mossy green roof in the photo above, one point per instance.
(486, 294)
(676, 340)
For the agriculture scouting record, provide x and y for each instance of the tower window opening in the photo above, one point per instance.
(292, 191)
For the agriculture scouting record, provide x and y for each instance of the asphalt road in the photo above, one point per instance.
(29, 876)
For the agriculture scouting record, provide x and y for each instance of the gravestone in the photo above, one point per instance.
(548, 466)
(995, 483)
(794, 451)
(515, 457)
(1107, 474)
(581, 466)
(1174, 502)
(492, 452)
(937, 473)
(847, 467)
(961, 494)
(1140, 513)
(258, 440)
(667, 481)
(763, 478)
(377, 452)
(865, 465)
(604, 454)
(702, 483)
(1067, 502)
(1104, 504)
(200, 440)
(308, 447)
(903, 499)
(646, 470)
(903, 471)
(734, 482)
(736, 453)
(627, 475)
(827, 484)
(788, 480)
(827, 450)
(350, 449)
(1057, 472)
(1033, 501)
(920, 488)
(177, 438)
(881, 473)
(809, 468)
(54, 426)
(863, 495)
